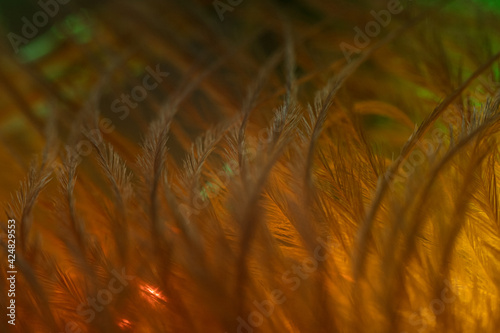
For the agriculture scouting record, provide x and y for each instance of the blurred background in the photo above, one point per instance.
(91, 55)
(88, 47)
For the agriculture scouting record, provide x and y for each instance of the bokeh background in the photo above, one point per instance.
(92, 52)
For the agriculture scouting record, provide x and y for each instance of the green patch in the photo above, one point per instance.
(38, 47)
(485, 4)
(209, 187)
(78, 26)
(424, 93)
(374, 120)
(228, 169)
(42, 110)
(74, 25)
(489, 3)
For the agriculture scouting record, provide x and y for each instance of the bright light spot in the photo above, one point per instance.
(153, 294)
(125, 324)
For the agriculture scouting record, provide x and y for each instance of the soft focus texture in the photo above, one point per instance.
(270, 181)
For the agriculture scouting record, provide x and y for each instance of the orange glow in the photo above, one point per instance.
(152, 294)
(125, 324)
